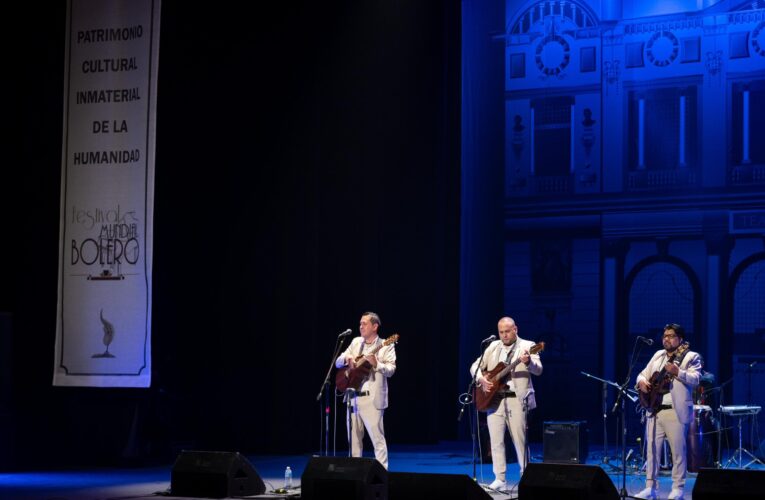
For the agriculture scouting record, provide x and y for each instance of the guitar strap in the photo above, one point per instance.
(511, 352)
(509, 360)
(499, 354)
(677, 360)
(361, 347)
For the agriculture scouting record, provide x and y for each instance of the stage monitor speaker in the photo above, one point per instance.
(416, 486)
(565, 442)
(349, 478)
(730, 484)
(214, 474)
(570, 481)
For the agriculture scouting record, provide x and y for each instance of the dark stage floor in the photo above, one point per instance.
(150, 482)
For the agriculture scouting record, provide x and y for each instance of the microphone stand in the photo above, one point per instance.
(620, 402)
(605, 459)
(324, 419)
(467, 399)
(527, 451)
(350, 408)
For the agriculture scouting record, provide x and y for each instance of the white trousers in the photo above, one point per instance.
(366, 416)
(665, 426)
(508, 415)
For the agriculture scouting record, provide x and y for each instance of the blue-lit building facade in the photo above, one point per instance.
(633, 184)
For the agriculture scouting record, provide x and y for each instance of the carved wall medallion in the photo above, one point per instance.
(758, 39)
(552, 55)
(662, 48)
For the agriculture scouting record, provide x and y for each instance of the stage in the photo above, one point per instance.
(147, 482)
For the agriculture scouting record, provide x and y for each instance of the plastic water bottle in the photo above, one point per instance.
(287, 478)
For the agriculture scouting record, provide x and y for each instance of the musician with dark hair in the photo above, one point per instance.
(666, 386)
(368, 403)
(514, 398)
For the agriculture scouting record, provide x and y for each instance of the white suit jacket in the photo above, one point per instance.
(524, 387)
(378, 377)
(681, 387)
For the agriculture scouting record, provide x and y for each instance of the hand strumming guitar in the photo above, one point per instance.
(486, 384)
(372, 360)
(644, 386)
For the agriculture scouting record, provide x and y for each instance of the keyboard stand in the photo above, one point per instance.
(737, 458)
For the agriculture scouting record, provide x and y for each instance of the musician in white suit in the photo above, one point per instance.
(673, 418)
(516, 396)
(368, 404)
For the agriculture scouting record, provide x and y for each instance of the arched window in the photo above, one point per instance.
(661, 290)
(749, 300)
(563, 15)
(747, 344)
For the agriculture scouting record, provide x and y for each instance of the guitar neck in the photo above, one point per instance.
(370, 353)
(535, 349)
(507, 369)
(390, 340)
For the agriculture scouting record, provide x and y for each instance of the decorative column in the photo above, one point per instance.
(745, 128)
(614, 252)
(572, 138)
(531, 141)
(641, 134)
(681, 138)
(719, 246)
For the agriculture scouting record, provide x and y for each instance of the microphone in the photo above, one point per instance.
(489, 339)
(346, 333)
(645, 340)
(751, 365)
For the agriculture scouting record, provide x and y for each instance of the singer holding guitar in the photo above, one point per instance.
(666, 386)
(514, 398)
(368, 403)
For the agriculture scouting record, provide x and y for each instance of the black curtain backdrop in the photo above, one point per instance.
(307, 170)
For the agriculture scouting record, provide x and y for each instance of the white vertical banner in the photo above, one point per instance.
(103, 330)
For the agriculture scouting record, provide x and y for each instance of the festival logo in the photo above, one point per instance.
(109, 243)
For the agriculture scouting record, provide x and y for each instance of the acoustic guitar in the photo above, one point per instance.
(660, 380)
(353, 375)
(498, 376)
